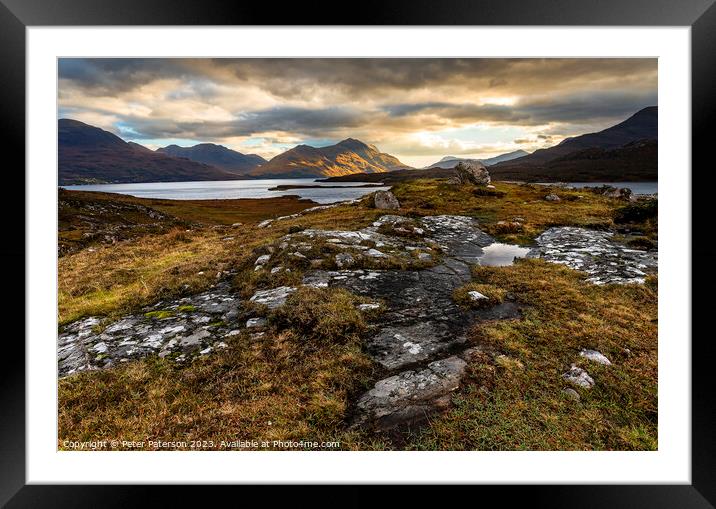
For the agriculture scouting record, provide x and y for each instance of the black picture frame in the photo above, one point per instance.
(700, 15)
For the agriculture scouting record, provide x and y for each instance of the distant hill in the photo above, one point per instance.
(88, 154)
(625, 152)
(344, 158)
(643, 125)
(216, 155)
(504, 157)
(451, 161)
(394, 176)
(635, 161)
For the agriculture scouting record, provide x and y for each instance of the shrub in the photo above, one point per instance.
(637, 212)
(641, 243)
(484, 191)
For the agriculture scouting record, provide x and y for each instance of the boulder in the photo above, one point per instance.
(472, 173)
(578, 377)
(476, 296)
(385, 200)
(552, 197)
(595, 356)
(411, 395)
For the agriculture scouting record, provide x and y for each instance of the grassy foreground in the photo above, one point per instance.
(296, 381)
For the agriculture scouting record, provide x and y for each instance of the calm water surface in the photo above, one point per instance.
(231, 189)
(501, 255)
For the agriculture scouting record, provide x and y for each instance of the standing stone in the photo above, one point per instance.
(472, 173)
(385, 200)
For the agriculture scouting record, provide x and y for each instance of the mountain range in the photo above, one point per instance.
(627, 151)
(641, 126)
(88, 154)
(216, 155)
(451, 161)
(344, 158)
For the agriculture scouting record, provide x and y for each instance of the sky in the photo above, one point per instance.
(418, 110)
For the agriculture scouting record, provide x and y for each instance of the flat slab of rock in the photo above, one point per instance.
(595, 253)
(410, 396)
(274, 297)
(180, 329)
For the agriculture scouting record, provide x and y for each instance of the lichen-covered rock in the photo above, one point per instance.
(595, 253)
(255, 322)
(476, 296)
(410, 396)
(385, 200)
(180, 329)
(578, 377)
(595, 356)
(274, 297)
(472, 173)
(262, 259)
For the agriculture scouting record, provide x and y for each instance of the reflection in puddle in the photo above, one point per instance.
(500, 255)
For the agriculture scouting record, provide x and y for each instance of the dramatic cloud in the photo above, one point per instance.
(417, 109)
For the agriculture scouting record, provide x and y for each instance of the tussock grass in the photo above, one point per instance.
(322, 314)
(494, 294)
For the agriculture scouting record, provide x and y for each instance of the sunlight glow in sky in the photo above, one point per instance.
(418, 110)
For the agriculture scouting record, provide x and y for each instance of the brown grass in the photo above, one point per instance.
(273, 387)
(297, 380)
(516, 402)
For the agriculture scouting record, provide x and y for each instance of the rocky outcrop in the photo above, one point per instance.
(472, 172)
(595, 253)
(385, 200)
(274, 297)
(422, 331)
(410, 396)
(421, 339)
(180, 329)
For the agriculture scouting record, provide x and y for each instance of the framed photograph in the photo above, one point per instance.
(422, 248)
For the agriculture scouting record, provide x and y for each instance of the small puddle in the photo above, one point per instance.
(501, 255)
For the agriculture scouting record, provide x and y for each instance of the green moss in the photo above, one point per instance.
(158, 315)
(186, 308)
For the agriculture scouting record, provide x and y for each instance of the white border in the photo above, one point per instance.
(671, 463)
